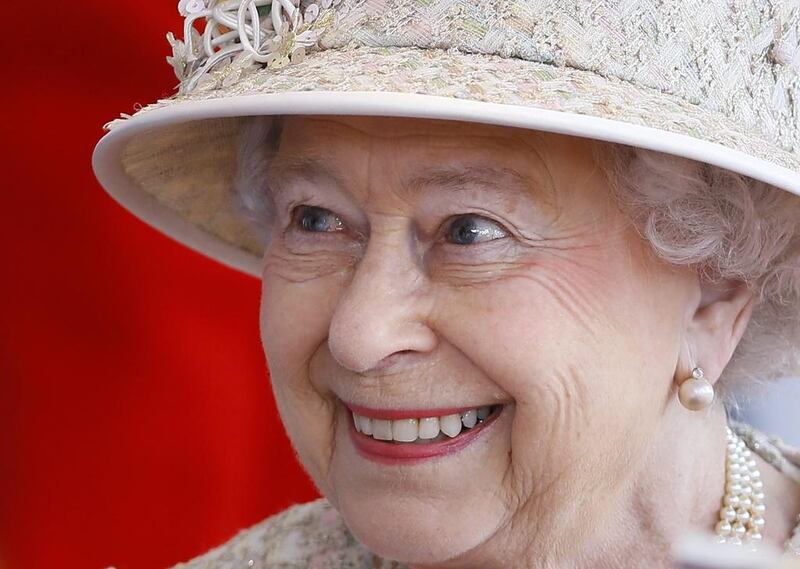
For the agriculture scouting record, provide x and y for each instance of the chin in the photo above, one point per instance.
(426, 512)
(413, 533)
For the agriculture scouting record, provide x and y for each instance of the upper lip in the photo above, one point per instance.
(409, 412)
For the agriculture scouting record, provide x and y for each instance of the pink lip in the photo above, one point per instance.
(410, 453)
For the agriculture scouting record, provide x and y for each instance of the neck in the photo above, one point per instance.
(679, 490)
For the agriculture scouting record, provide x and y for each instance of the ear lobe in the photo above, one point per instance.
(719, 323)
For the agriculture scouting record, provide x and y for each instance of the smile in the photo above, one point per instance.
(423, 430)
(410, 436)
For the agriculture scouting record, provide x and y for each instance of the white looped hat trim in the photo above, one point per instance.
(243, 34)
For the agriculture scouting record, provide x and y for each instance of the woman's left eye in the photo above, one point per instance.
(472, 229)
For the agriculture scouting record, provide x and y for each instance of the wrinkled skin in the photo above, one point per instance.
(555, 308)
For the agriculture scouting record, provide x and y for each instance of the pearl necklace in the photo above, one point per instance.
(784, 458)
(741, 518)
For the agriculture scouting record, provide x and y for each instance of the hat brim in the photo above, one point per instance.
(173, 163)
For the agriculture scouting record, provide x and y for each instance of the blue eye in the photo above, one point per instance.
(472, 229)
(317, 219)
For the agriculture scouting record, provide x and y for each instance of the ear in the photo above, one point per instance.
(715, 327)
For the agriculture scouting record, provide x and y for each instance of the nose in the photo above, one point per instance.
(381, 315)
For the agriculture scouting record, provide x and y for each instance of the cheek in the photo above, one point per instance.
(294, 319)
(559, 339)
(298, 295)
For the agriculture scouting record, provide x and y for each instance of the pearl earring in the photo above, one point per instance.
(696, 392)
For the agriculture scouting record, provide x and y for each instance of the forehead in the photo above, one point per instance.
(405, 146)
(443, 134)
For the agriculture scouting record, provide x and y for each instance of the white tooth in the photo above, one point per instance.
(405, 430)
(470, 418)
(355, 422)
(429, 428)
(381, 429)
(364, 424)
(483, 412)
(450, 424)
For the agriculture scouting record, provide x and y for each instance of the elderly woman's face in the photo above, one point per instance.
(439, 278)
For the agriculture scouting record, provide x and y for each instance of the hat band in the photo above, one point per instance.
(738, 58)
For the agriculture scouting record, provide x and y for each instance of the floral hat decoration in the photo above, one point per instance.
(712, 80)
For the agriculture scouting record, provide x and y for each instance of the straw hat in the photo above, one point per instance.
(712, 80)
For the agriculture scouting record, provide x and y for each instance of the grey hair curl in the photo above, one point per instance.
(724, 225)
(258, 144)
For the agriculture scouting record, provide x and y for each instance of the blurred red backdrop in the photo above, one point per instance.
(138, 426)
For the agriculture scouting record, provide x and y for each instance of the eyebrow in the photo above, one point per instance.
(455, 178)
(285, 169)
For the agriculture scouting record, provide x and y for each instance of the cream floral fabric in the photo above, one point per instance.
(737, 58)
(307, 536)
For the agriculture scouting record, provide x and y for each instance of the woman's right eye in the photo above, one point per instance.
(312, 219)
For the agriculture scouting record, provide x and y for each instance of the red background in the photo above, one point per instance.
(137, 427)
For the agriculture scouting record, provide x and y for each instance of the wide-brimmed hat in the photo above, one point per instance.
(712, 80)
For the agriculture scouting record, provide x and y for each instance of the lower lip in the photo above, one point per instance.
(412, 453)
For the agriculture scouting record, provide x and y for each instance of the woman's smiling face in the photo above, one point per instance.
(418, 269)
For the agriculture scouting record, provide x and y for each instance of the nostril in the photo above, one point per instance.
(396, 358)
(373, 351)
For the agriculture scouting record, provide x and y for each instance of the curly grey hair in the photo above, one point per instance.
(724, 225)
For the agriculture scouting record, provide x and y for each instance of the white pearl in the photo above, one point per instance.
(731, 500)
(759, 509)
(757, 522)
(754, 535)
(742, 515)
(738, 529)
(696, 394)
(729, 514)
(723, 528)
(733, 488)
